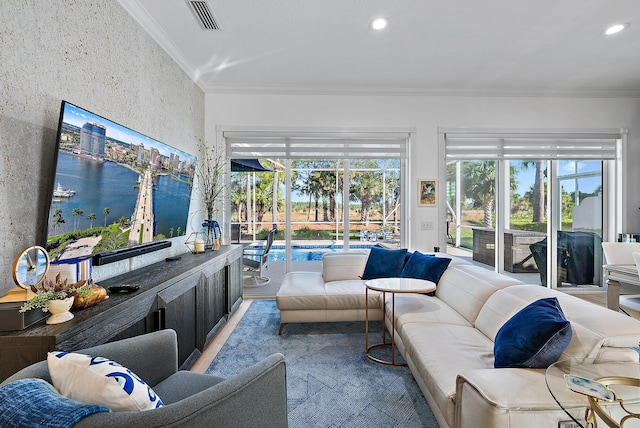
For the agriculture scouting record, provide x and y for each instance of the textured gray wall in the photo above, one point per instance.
(95, 55)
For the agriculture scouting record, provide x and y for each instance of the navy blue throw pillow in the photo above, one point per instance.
(384, 263)
(535, 337)
(407, 256)
(425, 266)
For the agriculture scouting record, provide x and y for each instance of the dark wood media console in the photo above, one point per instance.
(194, 296)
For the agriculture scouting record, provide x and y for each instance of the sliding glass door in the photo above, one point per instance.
(526, 220)
(540, 220)
(580, 222)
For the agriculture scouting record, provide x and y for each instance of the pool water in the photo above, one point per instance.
(304, 253)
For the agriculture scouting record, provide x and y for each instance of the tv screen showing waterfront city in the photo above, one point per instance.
(114, 187)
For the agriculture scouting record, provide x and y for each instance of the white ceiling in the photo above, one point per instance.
(493, 47)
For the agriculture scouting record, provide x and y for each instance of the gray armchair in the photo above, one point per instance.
(255, 397)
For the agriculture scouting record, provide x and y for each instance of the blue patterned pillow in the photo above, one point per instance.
(34, 402)
(384, 263)
(97, 380)
(534, 337)
(425, 266)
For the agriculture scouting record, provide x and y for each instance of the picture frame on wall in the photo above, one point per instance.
(427, 191)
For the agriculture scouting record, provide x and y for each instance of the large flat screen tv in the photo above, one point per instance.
(117, 193)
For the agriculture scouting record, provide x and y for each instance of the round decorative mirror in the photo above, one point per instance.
(30, 267)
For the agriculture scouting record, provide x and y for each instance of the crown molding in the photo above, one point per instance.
(151, 26)
(418, 91)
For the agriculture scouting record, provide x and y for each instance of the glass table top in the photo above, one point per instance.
(621, 378)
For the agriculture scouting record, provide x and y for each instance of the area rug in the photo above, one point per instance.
(330, 381)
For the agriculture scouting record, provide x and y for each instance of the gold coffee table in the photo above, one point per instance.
(393, 286)
(622, 378)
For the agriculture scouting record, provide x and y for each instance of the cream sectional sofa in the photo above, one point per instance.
(448, 339)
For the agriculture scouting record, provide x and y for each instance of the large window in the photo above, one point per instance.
(341, 189)
(532, 205)
(317, 199)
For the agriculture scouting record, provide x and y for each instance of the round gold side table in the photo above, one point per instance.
(392, 286)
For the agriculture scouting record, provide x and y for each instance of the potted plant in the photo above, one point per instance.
(210, 172)
(57, 296)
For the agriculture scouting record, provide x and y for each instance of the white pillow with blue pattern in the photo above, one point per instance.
(97, 380)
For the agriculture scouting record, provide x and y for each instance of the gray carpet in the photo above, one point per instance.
(330, 381)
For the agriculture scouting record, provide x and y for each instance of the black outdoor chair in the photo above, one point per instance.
(576, 257)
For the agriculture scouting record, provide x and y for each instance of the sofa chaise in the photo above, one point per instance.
(336, 294)
(447, 339)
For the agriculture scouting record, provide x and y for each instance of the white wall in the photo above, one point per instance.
(427, 114)
(93, 54)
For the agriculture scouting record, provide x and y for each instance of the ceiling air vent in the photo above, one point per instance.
(204, 15)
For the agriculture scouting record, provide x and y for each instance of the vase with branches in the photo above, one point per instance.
(210, 172)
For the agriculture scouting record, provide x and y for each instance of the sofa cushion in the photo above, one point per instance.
(420, 308)
(384, 263)
(97, 380)
(466, 288)
(534, 337)
(503, 304)
(343, 265)
(593, 331)
(301, 290)
(424, 266)
(350, 295)
(439, 351)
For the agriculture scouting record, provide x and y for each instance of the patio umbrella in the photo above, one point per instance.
(249, 165)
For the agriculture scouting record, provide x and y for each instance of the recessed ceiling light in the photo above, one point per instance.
(615, 29)
(379, 23)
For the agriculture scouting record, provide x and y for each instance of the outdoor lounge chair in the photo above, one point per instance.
(255, 261)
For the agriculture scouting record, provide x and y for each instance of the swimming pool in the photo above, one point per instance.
(304, 253)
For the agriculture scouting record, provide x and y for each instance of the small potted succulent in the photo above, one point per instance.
(56, 296)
